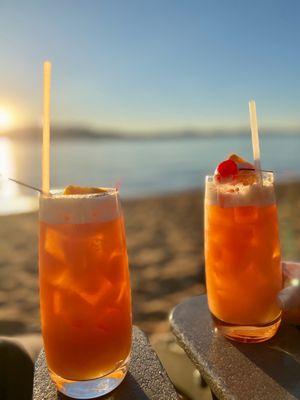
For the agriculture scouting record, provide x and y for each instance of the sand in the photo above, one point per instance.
(165, 246)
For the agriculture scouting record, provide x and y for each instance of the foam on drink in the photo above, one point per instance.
(235, 184)
(78, 208)
(238, 194)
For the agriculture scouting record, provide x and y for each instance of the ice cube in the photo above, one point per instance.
(117, 264)
(101, 296)
(245, 215)
(53, 244)
(57, 306)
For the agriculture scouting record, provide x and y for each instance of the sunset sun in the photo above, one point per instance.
(6, 119)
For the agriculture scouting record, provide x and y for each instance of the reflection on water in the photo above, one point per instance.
(12, 201)
(7, 168)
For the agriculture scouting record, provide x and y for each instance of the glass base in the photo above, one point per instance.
(247, 333)
(91, 388)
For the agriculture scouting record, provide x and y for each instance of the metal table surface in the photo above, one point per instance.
(146, 379)
(265, 371)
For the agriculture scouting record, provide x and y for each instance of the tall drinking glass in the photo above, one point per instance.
(242, 258)
(84, 292)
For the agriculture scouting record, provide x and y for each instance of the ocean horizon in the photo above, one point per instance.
(69, 132)
(140, 167)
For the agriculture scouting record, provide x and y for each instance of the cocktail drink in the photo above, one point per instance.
(84, 291)
(242, 252)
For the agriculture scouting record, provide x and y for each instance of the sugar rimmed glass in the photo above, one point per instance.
(84, 292)
(242, 258)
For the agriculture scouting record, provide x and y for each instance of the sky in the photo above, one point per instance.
(152, 64)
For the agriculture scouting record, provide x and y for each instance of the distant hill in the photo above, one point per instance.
(62, 133)
(65, 133)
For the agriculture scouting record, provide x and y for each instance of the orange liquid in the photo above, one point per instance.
(243, 269)
(85, 298)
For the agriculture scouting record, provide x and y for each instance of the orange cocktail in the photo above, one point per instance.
(84, 289)
(242, 253)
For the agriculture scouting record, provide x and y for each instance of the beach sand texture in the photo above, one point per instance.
(165, 246)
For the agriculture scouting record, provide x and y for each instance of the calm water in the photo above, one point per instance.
(142, 167)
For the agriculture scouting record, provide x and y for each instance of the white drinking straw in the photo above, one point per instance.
(255, 139)
(46, 129)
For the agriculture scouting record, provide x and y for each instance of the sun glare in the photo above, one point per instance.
(6, 119)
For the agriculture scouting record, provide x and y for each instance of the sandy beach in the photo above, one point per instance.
(165, 246)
